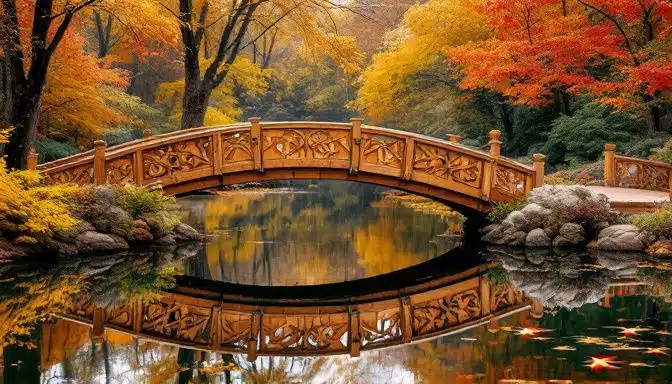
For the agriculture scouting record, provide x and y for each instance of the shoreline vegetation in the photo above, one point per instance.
(41, 221)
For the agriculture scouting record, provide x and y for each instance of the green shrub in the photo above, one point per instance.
(162, 222)
(50, 149)
(501, 210)
(658, 222)
(663, 153)
(581, 137)
(147, 285)
(138, 201)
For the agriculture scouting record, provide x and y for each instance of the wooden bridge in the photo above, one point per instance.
(423, 302)
(201, 158)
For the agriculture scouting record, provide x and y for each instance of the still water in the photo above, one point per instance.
(595, 317)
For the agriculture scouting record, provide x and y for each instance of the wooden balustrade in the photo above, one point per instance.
(237, 323)
(630, 172)
(201, 158)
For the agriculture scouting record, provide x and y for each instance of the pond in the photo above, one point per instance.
(571, 315)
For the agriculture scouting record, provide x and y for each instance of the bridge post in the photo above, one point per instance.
(147, 132)
(355, 145)
(98, 330)
(610, 165)
(354, 333)
(495, 143)
(539, 164)
(255, 138)
(99, 162)
(32, 160)
(406, 319)
(454, 138)
(255, 329)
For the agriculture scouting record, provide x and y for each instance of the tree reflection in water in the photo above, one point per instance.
(592, 303)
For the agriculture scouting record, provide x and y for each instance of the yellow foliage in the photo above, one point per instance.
(413, 48)
(39, 300)
(30, 209)
(223, 108)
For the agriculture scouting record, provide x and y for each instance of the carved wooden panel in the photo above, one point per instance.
(448, 165)
(121, 315)
(177, 321)
(505, 296)
(302, 334)
(312, 144)
(380, 327)
(234, 329)
(440, 314)
(184, 156)
(631, 174)
(509, 182)
(236, 148)
(82, 308)
(382, 150)
(81, 175)
(120, 170)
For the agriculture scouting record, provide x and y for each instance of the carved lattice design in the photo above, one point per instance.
(448, 165)
(177, 321)
(120, 171)
(179, 157)
(383, 150)
(380, 327)
(236, 147)
(509, 182)
(440, 314)
(631, 174)
(326, 333)
(234, 329)
(504, 297)
(306, 144)
(82, 308)
(81, 175)
(121, 315)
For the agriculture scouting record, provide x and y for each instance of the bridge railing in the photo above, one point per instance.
(215, 321)
(631, 172)
(199, 153)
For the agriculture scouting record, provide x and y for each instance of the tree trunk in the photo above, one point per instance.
(194, 103)
(25, 115)
(654, 120)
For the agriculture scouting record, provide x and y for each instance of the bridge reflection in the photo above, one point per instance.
(445, 295)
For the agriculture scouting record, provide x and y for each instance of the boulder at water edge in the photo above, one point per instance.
(624, 237)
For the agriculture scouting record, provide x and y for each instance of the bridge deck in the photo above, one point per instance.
(630, 200)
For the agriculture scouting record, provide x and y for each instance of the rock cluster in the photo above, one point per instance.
(565, 278)
(104, 227)
(566, 216)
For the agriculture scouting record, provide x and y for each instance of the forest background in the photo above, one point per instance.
(559, 77)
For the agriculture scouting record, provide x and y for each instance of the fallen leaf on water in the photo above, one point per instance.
(564, 348)
(644, 365)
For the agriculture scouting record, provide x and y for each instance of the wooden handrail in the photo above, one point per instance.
(182, 156)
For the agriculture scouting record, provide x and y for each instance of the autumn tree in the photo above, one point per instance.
(225, 26)
(407, 84)
(641, 75)
(28, 65)
(540, 52)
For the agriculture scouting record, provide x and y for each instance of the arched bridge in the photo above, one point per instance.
(201, 158)
(423, 302)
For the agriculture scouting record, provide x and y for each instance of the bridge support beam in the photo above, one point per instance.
(356, 145)
(539, 165)
(354, 334)
(610, 165)
(32, 160)
(495, 143)
(99, 174)
(257, 143)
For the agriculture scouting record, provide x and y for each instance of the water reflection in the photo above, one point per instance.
(315, 234)
(593, 317)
